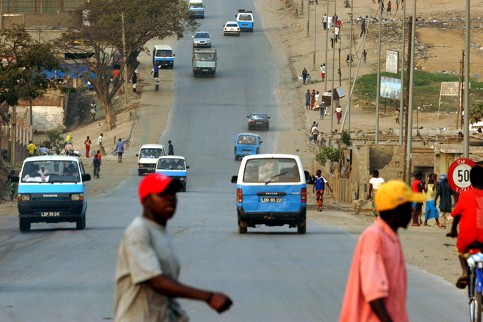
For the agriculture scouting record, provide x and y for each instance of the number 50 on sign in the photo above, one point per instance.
(459, 174)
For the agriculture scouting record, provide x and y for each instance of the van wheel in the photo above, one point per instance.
(242, 227)
(140, 173)
(301, 229)
(24, 225)
(81, 223)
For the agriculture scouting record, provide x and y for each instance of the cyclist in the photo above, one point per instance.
(469, 214)
(155, 71)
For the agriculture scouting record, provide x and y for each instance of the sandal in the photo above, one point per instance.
(415, 225)
(462, 282)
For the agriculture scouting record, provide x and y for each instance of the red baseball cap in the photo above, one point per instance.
(156, 183)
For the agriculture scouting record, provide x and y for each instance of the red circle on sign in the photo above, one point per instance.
(458, 174)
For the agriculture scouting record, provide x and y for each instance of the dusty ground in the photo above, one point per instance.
(425, 247)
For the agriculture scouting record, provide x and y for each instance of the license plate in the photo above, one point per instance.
(259, 122)
(271, 199)
(50, 214)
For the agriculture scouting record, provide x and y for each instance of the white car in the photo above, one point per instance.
(201, 39)
(231, 28)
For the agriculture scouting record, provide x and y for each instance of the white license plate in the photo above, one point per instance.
(271, 199)
(50, 214)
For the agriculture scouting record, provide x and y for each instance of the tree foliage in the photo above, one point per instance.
(24, 60)
(476, 113)
(96, 35)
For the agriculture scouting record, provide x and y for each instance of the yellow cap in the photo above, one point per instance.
(395, 193)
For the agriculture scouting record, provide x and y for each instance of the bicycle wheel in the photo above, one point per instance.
(473, 306)
(478, 306)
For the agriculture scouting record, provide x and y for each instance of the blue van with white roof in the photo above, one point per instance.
(163, 56)
(244, 18)
(271, 189)
(52, 189)
(246, 144)
(175, 167)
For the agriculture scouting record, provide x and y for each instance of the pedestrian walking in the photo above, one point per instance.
(308, 80)
(96, 163)
(304, 75)
(332, 39)
(148, 269)
(323, 69)
(363, 27)
(312, 99)
(338, 113)
(324, 21)
(396, 116)
(31, 149)
(87, 143)
(134, 81)
(307, 100)
(337, 33)
(319, 188)
(364, 56)
(431, 212)
(317, 98)
(417, 187)
(388, 7)
(315, 134)
(374, 184)
(93, 110)
(321, 111)
(120, 150)
(377, 283)
(170, 148)
(445, 195)
(11, 185)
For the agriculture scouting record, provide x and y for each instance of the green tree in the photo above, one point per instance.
(476, 113)
(95, 37)
(21, 76)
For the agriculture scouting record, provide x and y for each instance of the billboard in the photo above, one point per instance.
(392, 61)
(390, 88)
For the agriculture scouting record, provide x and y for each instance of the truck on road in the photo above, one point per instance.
(204, 62)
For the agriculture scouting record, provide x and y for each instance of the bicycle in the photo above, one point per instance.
(475, 284)
(156, 84)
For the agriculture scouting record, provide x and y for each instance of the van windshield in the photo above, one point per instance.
(151, 153)
(204, 57)
(164, 53)
(271, 170)
(171, 164)
(51, 171)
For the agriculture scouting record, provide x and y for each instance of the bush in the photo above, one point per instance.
(327, 153)
(345, 137)
(54, 140)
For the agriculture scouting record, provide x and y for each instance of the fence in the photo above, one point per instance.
(39, 6)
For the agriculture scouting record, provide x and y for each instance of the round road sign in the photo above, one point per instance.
(459, 174)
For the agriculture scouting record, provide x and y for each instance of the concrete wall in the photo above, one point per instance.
(46, 118)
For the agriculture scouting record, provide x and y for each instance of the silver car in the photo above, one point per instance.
(201, 39)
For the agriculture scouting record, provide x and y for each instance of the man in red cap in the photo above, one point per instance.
(147, 268)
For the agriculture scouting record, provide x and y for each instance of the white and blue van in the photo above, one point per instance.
(271, 190)
(163, 56)
(244, 18)
(197, 8)
(52, 189)
(175, 167)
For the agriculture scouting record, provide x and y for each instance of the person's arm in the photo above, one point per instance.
(165, 285)
(453, 232)
(370, 191)
(379, 308)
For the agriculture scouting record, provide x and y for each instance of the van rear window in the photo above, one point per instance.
(245, 17)
(271, 170)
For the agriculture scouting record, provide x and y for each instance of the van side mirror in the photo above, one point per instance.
(86, 177)
(234, 179)
(14, 179)
(137, 155)
(187, 166)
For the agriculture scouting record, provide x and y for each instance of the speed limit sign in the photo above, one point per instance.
(459, 174)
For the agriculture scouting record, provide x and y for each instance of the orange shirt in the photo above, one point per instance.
(378, 271)
(470, 207)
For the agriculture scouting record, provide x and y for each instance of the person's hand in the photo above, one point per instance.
(219, 302)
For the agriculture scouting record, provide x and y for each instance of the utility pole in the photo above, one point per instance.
(326, 47)
(13, 136)
(308, 18)
(351, 14)
(315, 30)
(124, 58)
(403, 65)
(333, 79)
(409, 153)
(406, 109)
(466, 130)
(376, 138)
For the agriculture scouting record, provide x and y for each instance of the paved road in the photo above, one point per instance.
(56, 273)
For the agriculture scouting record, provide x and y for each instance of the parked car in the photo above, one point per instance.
(175, 167)
(247, 144)
(201, 39)
(258, 121)
(231, 28)
(271, 190)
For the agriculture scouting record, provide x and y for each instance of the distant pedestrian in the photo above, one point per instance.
(324, 21)
(338, 113)
(304, 75)
(308, 80)
(323, 69)
(312, 99)
(337, 33)
(396, 116)
(377, 284)
(388, 7)
(93, 110)
(307, 100)
(170, 148)
(431, 211)
(11, 185)
(364, 56)
(339, 24)
(363, 27)
(31, 149)
(87, 143)
(444, 193)
(96, 163)
(332, 39)
(349, 59)
(417, 187)
(317, 98)
(382, 7)
(119, 150)
(319, 188)
(315, 134)
(321, 111)
(374, 184)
